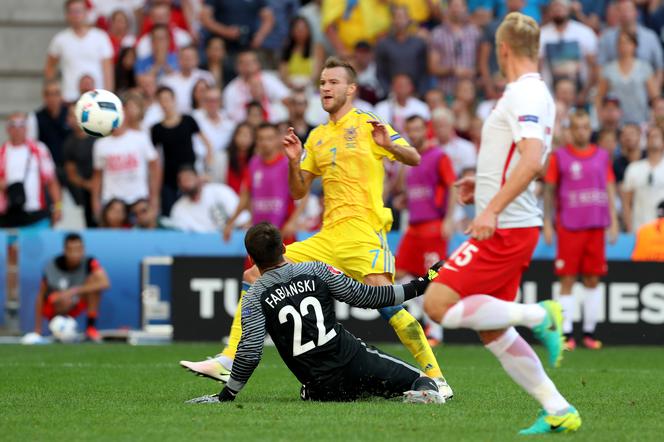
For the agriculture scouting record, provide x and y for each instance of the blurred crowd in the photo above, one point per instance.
(200, 78)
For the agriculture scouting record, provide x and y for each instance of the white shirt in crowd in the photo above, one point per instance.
(18, 170)
(237, 95)
(209, 214)
(647, 183)
(80, 56)
(183, 87)
(567, 51)
(153, 114)
(391, 111)
(526, 110)
(144, 44)
(219, 134)
(123, 161)
(462, 153)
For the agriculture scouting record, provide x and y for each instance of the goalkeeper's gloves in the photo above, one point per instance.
(227, 395)
(416, 287)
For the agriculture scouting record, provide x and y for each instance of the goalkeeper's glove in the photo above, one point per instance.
(416, 287)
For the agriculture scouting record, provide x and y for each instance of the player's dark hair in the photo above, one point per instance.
(71, 237)
(334, 62)
(162, 89)
(264, 244)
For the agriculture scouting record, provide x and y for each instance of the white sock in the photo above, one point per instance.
(568, 302)
(434, 329)
(225, 361)
(484, 312)
(591, 306)
(524, 367)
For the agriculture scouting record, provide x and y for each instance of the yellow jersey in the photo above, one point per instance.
(350, 163)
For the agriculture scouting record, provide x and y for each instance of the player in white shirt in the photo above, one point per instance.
(477, 286)
(126, 165)
(79, 50)
(183, 82)
(204, 208)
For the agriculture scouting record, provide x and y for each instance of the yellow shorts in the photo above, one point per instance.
(352, 245)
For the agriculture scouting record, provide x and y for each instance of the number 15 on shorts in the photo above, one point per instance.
(461, 256)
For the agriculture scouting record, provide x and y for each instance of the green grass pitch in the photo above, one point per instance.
(117, 392)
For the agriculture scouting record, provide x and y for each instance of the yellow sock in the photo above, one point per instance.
(413, 338)
(236, 331)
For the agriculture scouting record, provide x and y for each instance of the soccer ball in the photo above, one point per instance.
(98, 112)
(63, 328)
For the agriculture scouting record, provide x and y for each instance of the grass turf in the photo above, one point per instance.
(118, 392)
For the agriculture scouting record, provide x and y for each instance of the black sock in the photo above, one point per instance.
(92, 320)
(424, 383)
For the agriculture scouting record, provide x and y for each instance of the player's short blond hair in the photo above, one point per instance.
(521, 33)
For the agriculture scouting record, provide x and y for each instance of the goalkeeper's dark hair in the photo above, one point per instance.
(264, 245)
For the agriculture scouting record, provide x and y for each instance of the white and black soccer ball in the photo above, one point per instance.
(98, 112)
(64, 328)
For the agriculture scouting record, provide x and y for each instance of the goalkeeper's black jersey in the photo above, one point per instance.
(295, 304)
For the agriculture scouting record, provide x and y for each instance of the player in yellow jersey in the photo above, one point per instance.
(347, 153)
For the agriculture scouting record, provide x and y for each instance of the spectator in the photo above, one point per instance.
(568, 49)
(590, 12)
(217, 128)
(147, 87)
(487, 63)
(119, 33)
(630, 150)
(125, 77)
(284, 13)
(302, 58)
(72, 283)
(348, 22)
(26, 169)
(402, 52)
(161, 60)
(240, 151)
(461, 152)
(650, 239)
(144, 216)
(253, 84)
(77, 153)
(198, 94)
(369, 89)
(647, 46)
(114, 215)
(255, 114)
(630, 79)
(203, 208)
(182, 82)
(215, 54)
(86, 84)
(176, 17)
(101, 12)
(126, 164)
(606, 138)
(265, 188)
(52, 126)
(644, 184)
(242, 25)
(434, 98)
(657, 112)
(453, 51)
(160, 15)
(297, 106)
(401, 105)
(531, 8)
(580, 189)
(610, 115)
(498, 84)
(174, 136)
(79, 50)
(464, 107)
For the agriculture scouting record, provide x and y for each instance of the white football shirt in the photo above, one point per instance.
(526, 110)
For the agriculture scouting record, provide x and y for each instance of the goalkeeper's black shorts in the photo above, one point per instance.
(370, 373)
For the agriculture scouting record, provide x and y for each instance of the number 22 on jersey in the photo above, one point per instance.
(323, 336)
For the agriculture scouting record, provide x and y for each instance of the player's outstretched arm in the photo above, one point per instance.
(347, 290)
(250, 348)
(402, 152)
